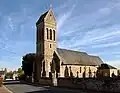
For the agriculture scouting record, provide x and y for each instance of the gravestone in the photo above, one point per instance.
(54, 79)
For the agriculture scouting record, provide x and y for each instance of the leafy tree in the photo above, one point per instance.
(5, 70)
(9, 75)
(27, 63)
(20, 70)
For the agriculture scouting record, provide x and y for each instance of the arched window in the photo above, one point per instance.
(54, 34)
(50, 34)
(47, 33)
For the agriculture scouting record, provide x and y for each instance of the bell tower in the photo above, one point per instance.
(46, 39)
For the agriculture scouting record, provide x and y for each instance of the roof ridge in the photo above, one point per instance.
(93, 56)
(72, 50)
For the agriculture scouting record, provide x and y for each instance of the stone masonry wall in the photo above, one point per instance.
(76, 68)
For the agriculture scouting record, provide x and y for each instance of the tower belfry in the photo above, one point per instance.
(46, 39)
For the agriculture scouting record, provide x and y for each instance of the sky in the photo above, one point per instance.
(90, 26)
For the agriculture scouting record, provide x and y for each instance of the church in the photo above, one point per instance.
(57, 62)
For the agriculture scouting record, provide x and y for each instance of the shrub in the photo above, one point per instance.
(21, 77)
(1, 83)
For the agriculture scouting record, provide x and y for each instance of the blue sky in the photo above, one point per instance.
(92, 26)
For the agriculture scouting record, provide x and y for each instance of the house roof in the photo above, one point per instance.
(76, 57)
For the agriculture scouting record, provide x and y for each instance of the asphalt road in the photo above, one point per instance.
(17, 87)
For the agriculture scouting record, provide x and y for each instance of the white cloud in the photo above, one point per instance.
(10, 23)
(105, 36)
(95, 38)
(77, 25)
(63, 17)
(62, 6)
(106, 45)
(105, 11)
(106, 53)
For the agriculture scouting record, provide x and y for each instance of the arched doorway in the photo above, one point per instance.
(55, 66)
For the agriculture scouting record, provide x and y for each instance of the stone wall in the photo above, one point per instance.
(113, 71)
(75, 69)
(108, 85)
(45, 81)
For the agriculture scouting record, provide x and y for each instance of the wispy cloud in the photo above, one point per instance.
(90, 26)
(10, 23)
(106, 45)
(64, 17)
(93, 32)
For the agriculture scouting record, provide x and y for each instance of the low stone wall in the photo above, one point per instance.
(106, 85)
(90, 84)
(45, 81)
(65, 82)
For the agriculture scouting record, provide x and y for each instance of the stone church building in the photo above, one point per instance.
(56, 62)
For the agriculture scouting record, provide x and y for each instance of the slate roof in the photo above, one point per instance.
(111, 67)
(76, 57)
(106, 66)
(41, 19)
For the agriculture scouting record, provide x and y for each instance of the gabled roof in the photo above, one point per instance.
(44, 15)
(106, 66)
(76, 57)
(111, 67)
(41, 19)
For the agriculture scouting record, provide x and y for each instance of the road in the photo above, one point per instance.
(17, 87)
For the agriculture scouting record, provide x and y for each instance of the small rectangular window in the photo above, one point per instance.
(50, 45)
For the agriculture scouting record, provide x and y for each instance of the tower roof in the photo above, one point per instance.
(41, 19)
(45, 15)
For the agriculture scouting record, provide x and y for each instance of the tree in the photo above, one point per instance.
(27, 63)
(20, 70)
(9, 75)
(5, 70)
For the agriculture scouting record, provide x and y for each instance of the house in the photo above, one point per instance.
(2, 74)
